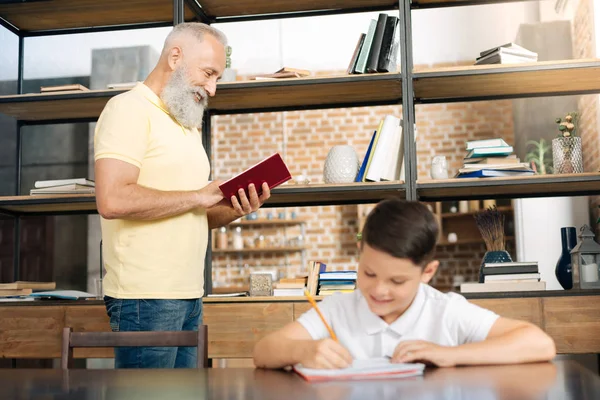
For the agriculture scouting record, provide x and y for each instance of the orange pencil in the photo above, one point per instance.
(314, 304)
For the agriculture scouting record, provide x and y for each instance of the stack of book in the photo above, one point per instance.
(508, 53)
(384, 159)
(290, 287)
(490, 158)
(377, 49)
(64, 186)
(331, 282)
(507, 277)
(23, 288)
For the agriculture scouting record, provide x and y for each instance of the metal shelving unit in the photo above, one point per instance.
(408, 88)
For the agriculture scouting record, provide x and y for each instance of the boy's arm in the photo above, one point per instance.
(508, 342)
(293, 344)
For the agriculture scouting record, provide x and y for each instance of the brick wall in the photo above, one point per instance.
(304, 139)
(583, 47)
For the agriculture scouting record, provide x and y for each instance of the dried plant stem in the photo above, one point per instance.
(491, 226)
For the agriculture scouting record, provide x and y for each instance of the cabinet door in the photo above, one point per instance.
(234, 329)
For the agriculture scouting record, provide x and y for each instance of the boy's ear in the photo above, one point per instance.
(429, 271)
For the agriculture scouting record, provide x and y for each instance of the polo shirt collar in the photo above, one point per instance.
(374, 324)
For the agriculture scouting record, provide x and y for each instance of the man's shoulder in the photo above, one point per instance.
(131, 101)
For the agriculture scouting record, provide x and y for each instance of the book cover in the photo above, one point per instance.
(271, 170)
(372, 151)
(361, 172)
(490, 151)
(476, 144)
(354, 59)
(363, 57)
(490, 173)
(389, 45)
(373, 60)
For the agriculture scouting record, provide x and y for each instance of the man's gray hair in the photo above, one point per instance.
(195, 30)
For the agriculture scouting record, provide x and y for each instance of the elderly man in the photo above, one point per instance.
(155, 199)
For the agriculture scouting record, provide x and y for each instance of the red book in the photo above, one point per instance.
(271, 170)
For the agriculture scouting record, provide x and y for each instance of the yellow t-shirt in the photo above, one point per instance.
(160, 259)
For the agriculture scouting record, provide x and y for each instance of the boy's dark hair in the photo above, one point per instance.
(402, 229)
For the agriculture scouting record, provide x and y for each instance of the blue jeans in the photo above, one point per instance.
(154, 315)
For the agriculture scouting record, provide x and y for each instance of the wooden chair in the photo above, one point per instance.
(71, 340)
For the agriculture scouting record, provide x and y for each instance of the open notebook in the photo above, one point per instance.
(374, 368)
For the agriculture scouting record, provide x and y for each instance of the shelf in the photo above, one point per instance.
(416, 4)
(305, 93)
(487, 82)
(219, 10)
(260, 250)
(40, 16)
(232, 97)
(284, 196)
(470, 241)
(334, 194)
(509, 187)
(270, 222)
(51, 204)
(56, 106)
(471, 213)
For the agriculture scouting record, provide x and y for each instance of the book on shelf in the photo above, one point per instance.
(508, 53)
(73, 188)
(363, 56)
(509, 159)
(509, 47)
(373, 58)
(288, 292)
(354, 59)
(233, 294)
(63, 294)
(283, 73)
(377, 49)
(75, 87)
(476, 144)
(59, 182)
(489, 151)
(388, 55)
(15, 292)
(505, 286)
(525, 269)
(385, 161)
(511, 264)
(493, 173)
(18, 285)
(512, 278)
(498, 167)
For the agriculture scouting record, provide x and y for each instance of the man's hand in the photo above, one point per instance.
(424, 352)
(325, 354)
(248, 204)
(210, 195)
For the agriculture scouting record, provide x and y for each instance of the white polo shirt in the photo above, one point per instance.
(446, 319)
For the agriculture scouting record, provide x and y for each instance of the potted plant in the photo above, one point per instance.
(566, 148)
(540, 156)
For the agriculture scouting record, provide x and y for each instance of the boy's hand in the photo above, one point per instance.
(326, 354)
(424, 352)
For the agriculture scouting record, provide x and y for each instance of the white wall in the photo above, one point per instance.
(318, 43)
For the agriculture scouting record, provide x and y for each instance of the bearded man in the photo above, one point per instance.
(154, 197)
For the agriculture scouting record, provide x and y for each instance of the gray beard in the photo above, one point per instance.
(180, 100)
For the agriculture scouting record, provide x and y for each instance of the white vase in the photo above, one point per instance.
(341, 165)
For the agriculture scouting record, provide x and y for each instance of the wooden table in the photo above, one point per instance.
(559, 380)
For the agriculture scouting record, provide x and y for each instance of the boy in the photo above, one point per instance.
(394, 312)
